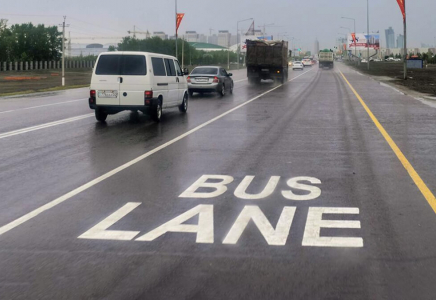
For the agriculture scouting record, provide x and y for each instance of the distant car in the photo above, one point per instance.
(298, 65)
(389, 59)
(397, 59)
(307, 62)
(364, 61)
(377, 60)
(210, 79)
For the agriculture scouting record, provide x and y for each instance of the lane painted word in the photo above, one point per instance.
(204, 229)
(211, 186)
(219, 187)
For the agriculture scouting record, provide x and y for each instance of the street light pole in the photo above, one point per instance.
(238, 38)
(354, 20)
(405, 42)
(367, 23)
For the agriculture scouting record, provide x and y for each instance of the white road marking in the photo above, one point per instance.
(315, 223)
(219, 187)
(276, 237)
(61, 199)
(204, 228)
(45, 105)
(100, 232)
(315, 191)
(42, 126)
(240, 191)
(240, 80)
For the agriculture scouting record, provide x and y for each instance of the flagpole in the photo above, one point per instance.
(176, 31)
(405, 41)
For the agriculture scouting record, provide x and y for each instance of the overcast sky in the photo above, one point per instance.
(305, 20)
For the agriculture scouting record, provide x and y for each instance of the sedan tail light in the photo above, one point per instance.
(216, 80)
(188, 79)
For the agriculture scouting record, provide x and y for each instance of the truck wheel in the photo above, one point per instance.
(100, 115)
(184, 106)
(156, 111)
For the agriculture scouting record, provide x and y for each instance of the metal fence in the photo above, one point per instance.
(44, 65)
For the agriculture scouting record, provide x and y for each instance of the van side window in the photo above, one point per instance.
(169, 64)
(179, 71)
(158, 66)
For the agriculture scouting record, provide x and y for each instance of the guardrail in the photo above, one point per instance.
(44, 65)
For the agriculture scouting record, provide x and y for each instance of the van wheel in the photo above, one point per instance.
(184, 106)
(156, 111)
(223, 90)
(100, 115)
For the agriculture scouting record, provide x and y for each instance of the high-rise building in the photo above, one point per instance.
(233, 40)
(191, 36)
(202, 38)
(160, 34)
(224, 38)
(212, 39)
(400, 41)
(390, 38)
(316, 48)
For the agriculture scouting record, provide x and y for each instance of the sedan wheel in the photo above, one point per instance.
(223, 90)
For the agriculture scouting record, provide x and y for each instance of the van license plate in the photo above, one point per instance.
(107, 94)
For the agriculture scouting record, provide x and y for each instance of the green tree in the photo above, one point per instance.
(29, 42)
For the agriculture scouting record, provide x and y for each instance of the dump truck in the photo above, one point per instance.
(267, 60)
(326, 58)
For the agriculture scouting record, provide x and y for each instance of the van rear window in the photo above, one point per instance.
(121, 65)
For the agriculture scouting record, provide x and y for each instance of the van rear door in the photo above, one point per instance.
(106, 79)
(134, 80)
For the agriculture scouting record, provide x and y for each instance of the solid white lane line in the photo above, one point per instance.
(240, 80)
(45, 105)
(109, 174)
(42, 126)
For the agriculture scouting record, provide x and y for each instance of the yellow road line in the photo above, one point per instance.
(428, 195)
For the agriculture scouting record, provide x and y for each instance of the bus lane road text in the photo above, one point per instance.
(211, 186)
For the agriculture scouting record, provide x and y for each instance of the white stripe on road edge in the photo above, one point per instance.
(240, 80)
(90, 184)
(45, 105)
(42, 126)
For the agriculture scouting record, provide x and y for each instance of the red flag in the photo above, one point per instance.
(353, 36)
(178, 21)
(402, 7)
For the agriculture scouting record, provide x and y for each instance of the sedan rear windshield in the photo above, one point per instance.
(121, 65)
(205, 71)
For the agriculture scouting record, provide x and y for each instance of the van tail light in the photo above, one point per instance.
(188, 79)
(216, 80)
(92, 94)
(148, 95)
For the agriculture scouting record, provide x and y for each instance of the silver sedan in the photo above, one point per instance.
(210, 79)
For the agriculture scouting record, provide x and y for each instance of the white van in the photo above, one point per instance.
(137, 81)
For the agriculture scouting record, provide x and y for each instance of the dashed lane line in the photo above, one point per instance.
(43, 126)
(45, 105)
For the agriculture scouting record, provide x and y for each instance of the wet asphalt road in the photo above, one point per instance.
(85, 245)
